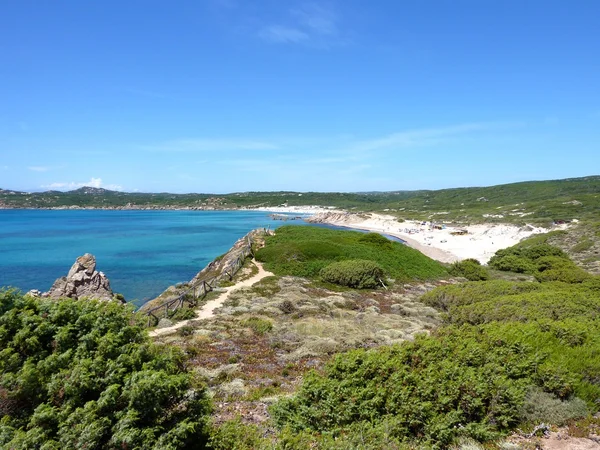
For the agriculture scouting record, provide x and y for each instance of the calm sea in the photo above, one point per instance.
(141, 252)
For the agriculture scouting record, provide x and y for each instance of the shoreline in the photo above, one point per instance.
(480, 241)
(443, 242)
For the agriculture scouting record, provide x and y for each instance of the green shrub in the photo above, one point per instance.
(235, 435)
(184, 314)
(470, 269)
(258, 325)
(83, 374)
(540, 406)
(511, 263)
(426, 388)
(376, 239)
(354, 273)
(564, 274)
(545, 262)
(447, 297)
(583, 245)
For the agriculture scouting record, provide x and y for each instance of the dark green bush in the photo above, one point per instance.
(184, 313)
(470, 269)
(545, 262)
(512, 263)
(82, 374)
(354, 273)
(376, 239)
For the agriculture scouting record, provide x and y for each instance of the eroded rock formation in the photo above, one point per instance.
(83, 280)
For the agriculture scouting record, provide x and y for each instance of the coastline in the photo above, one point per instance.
(445, 242)
(479, 241)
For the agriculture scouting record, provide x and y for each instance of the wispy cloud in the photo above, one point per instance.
(94, 182)
(422, 137)
(208, 144)
(282, 34)
(309, 23)
(317, 18)
(39, 168)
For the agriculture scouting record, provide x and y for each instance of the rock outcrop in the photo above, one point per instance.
(83, 280)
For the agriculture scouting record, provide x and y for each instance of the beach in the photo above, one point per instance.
(444, 242)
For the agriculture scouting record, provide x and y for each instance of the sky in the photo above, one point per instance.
(220, 96)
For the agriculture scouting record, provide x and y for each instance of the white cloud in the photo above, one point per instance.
(316, 18)
(94, 182)
(39, 168)
(282, 34)
(309, 23)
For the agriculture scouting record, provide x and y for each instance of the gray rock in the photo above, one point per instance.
(164, 323)
(83, 280)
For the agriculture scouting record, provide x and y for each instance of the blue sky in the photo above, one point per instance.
(350, 95)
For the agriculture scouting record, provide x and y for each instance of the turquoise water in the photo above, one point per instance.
(141, 252)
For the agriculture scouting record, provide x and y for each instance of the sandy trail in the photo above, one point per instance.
(208, 310)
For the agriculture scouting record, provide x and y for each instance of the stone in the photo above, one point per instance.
(83, 280)
(164, 323)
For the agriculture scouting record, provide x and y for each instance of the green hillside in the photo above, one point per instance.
(532, 201)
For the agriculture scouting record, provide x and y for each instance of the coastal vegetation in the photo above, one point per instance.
(539, 202)
(84, 374)
(317, 253)
(509, 353)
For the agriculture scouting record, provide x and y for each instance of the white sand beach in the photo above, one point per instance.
(480, 241)
(298, 209)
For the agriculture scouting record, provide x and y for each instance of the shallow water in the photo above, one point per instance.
(141, 252)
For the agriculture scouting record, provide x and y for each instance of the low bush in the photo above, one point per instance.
(83, 374)
(184, 313)
(543, 261)
(542, 407)
(354, 273)
(512, 263)
(258, 325)
(470, 269)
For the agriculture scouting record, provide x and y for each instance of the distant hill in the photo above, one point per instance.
(531, 201)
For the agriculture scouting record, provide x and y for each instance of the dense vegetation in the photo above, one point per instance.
(538, 201)
(544, 261)
(306, 251)
(510, 353)
(354, 273)
(471, 269)
(82, 374)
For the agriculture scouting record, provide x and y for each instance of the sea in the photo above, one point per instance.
(141, 252)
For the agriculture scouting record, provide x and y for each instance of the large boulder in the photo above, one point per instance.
(83, 280)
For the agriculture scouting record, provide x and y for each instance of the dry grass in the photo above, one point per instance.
(242, 363)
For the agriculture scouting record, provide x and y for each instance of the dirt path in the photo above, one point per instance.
(208, 310)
